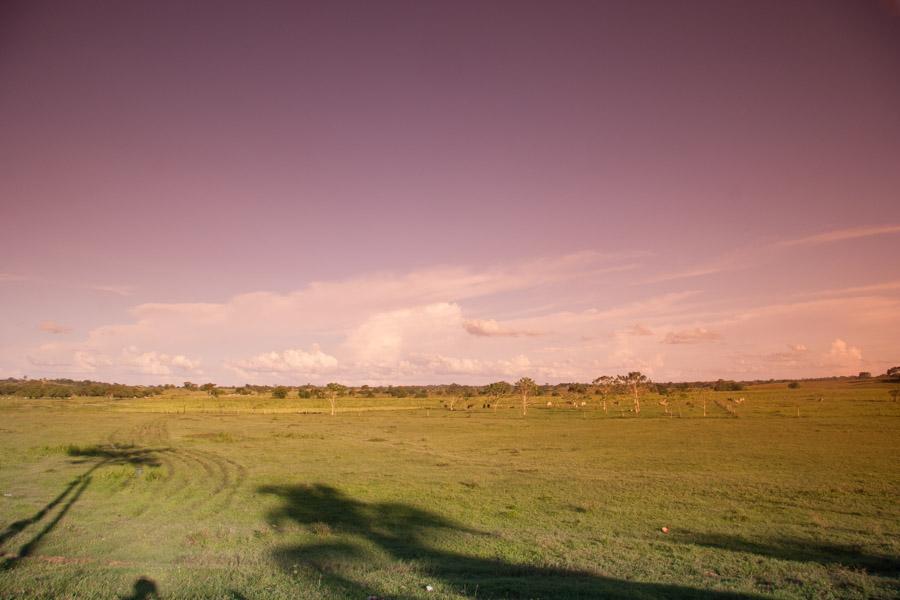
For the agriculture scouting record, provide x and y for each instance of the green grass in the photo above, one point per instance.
(250, 497)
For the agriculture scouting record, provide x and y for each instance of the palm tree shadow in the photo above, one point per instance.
(402, 533)
(99, 456)
(800, 550)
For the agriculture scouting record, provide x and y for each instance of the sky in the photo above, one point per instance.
(432, 192)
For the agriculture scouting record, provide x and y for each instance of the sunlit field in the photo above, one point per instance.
(789, 493)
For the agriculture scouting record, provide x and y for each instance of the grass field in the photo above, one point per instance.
(793, 495)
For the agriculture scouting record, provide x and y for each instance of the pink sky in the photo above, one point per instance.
(414, 192)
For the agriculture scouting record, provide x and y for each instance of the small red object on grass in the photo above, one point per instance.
(665, 530)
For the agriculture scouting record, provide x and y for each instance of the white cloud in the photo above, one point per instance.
(287, 362)
(158, 363)
(841, 353)
(418, 327)
(491, 328)
(75, 359)
(118, 290)
(638, 329)
(698, 335)
(54, 327)
(839, 235)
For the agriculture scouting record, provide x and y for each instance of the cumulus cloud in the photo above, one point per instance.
(54, 327)
(491, 328)
(158, 363)
(290, 362)
(75, 359)
(418, 327)
(388, 336)
(842, 353)
(698, 335)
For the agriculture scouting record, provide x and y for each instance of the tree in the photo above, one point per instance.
(498, 390)
(864, 375)
(605, 385)
(190, 386)
(894, 372)
(280, 392)
(207, 386)
(636, 382)
(334, 389)
(525, 386)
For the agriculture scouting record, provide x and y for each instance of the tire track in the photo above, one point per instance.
(204, 480)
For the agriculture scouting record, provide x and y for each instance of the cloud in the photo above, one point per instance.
(75, 359)
(490, 328)
(158, 363)
(290, 362)
(884, 286)
(794, 356)
(839, 235)
(689, 273)
(118, 290)
(418, 327)
(639, 330)
(841, 353)
(438, 364)
(698, 335)
(54, 327)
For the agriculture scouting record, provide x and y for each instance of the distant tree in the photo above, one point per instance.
(864, 375)
(525, 386)
(215, 392)
(497, 391)
(334, 390)
(280, 392)
(794, 385)
(727, 386)
(604, 386)
(58, 391)
(894, 372)
(635, 381)
(207, 386)
(190, 386)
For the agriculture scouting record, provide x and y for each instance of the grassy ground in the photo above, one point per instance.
(186, 496)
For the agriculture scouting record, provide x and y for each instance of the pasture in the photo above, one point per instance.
(791, 493)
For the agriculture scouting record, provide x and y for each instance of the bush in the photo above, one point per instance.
(794, 385)
(280, 392)
(727, 386)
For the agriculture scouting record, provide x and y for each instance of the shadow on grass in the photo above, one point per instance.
(402, 533)
(144, 589)
(801, 550)
(100, 456)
